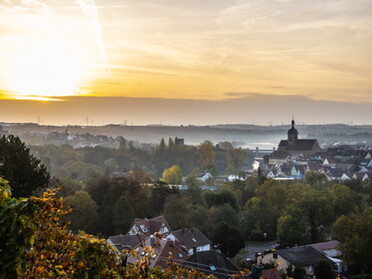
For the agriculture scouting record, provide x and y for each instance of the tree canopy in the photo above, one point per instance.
(24, 171)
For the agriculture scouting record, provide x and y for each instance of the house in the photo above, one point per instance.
(329, 162)
(150, 226)
(298, 171)
(301, 257)
(179, 141)
(121, 242)
(192, 238)
(329, 249)
(232, 177)
(158, 251)
(278, 158)
(362, 176)
(203, 176)
(270, 175)
(211, 262)
(285, 169)
(335, 174)
(346, 176)
(295, 146)
(189, 240)
(313, 167)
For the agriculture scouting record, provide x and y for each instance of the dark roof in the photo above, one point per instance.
(359, 175)
(323, 246)
(124, 241)
(191, 238)
(314, 167)
(270, 274)
(163, 249)
(279, 154)
(152, 225)
(301, 255)
(300, 144)
(335, 173)
(212, 262)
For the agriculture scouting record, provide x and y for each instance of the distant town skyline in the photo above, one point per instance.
(207, 53)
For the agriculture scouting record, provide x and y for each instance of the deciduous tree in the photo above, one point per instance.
(173, 175)
(207, 154)
(355, 234)
(84, 212)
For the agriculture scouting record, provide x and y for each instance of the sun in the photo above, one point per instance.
(44, 68)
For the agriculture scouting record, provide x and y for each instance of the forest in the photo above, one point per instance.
(82, 163)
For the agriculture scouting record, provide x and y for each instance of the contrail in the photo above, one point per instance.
(89, 8)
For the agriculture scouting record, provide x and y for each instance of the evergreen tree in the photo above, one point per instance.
(23, 170)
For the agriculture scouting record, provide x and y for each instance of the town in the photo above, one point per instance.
(215, 208)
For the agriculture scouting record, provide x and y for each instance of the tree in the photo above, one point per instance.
(158, 195)
(200, 214)
(227, 214)
(24, 171)
(355, 235)
(68, 186)
(178, 212)
(341, 200)
(170, 143)
(296, 272)
(323, 270)
(35, 242)
(316, 180)
(259, 218)
(123, 215)
(110, 166)
(228, 238)
(173, 175)
(291, 230)
(84, 212)
(123, 146)
(235, 158)
(221, 197)
(274, 192)
(316, 208)
(78, 170)
(207, 154)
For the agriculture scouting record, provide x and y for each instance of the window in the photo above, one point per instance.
(275, 255)
(212, 267)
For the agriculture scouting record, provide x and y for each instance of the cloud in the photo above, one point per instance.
(241, 94)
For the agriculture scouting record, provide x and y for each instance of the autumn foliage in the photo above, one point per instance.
(35, 242)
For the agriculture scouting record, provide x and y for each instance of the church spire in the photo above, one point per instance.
(292, 133)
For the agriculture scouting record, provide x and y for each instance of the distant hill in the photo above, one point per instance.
(244, 135)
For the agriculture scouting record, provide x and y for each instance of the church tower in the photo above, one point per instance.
(292, 134)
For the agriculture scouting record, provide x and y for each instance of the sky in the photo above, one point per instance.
(199, 62)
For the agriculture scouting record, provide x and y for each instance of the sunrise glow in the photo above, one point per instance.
(215, 51)
(43, 67)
